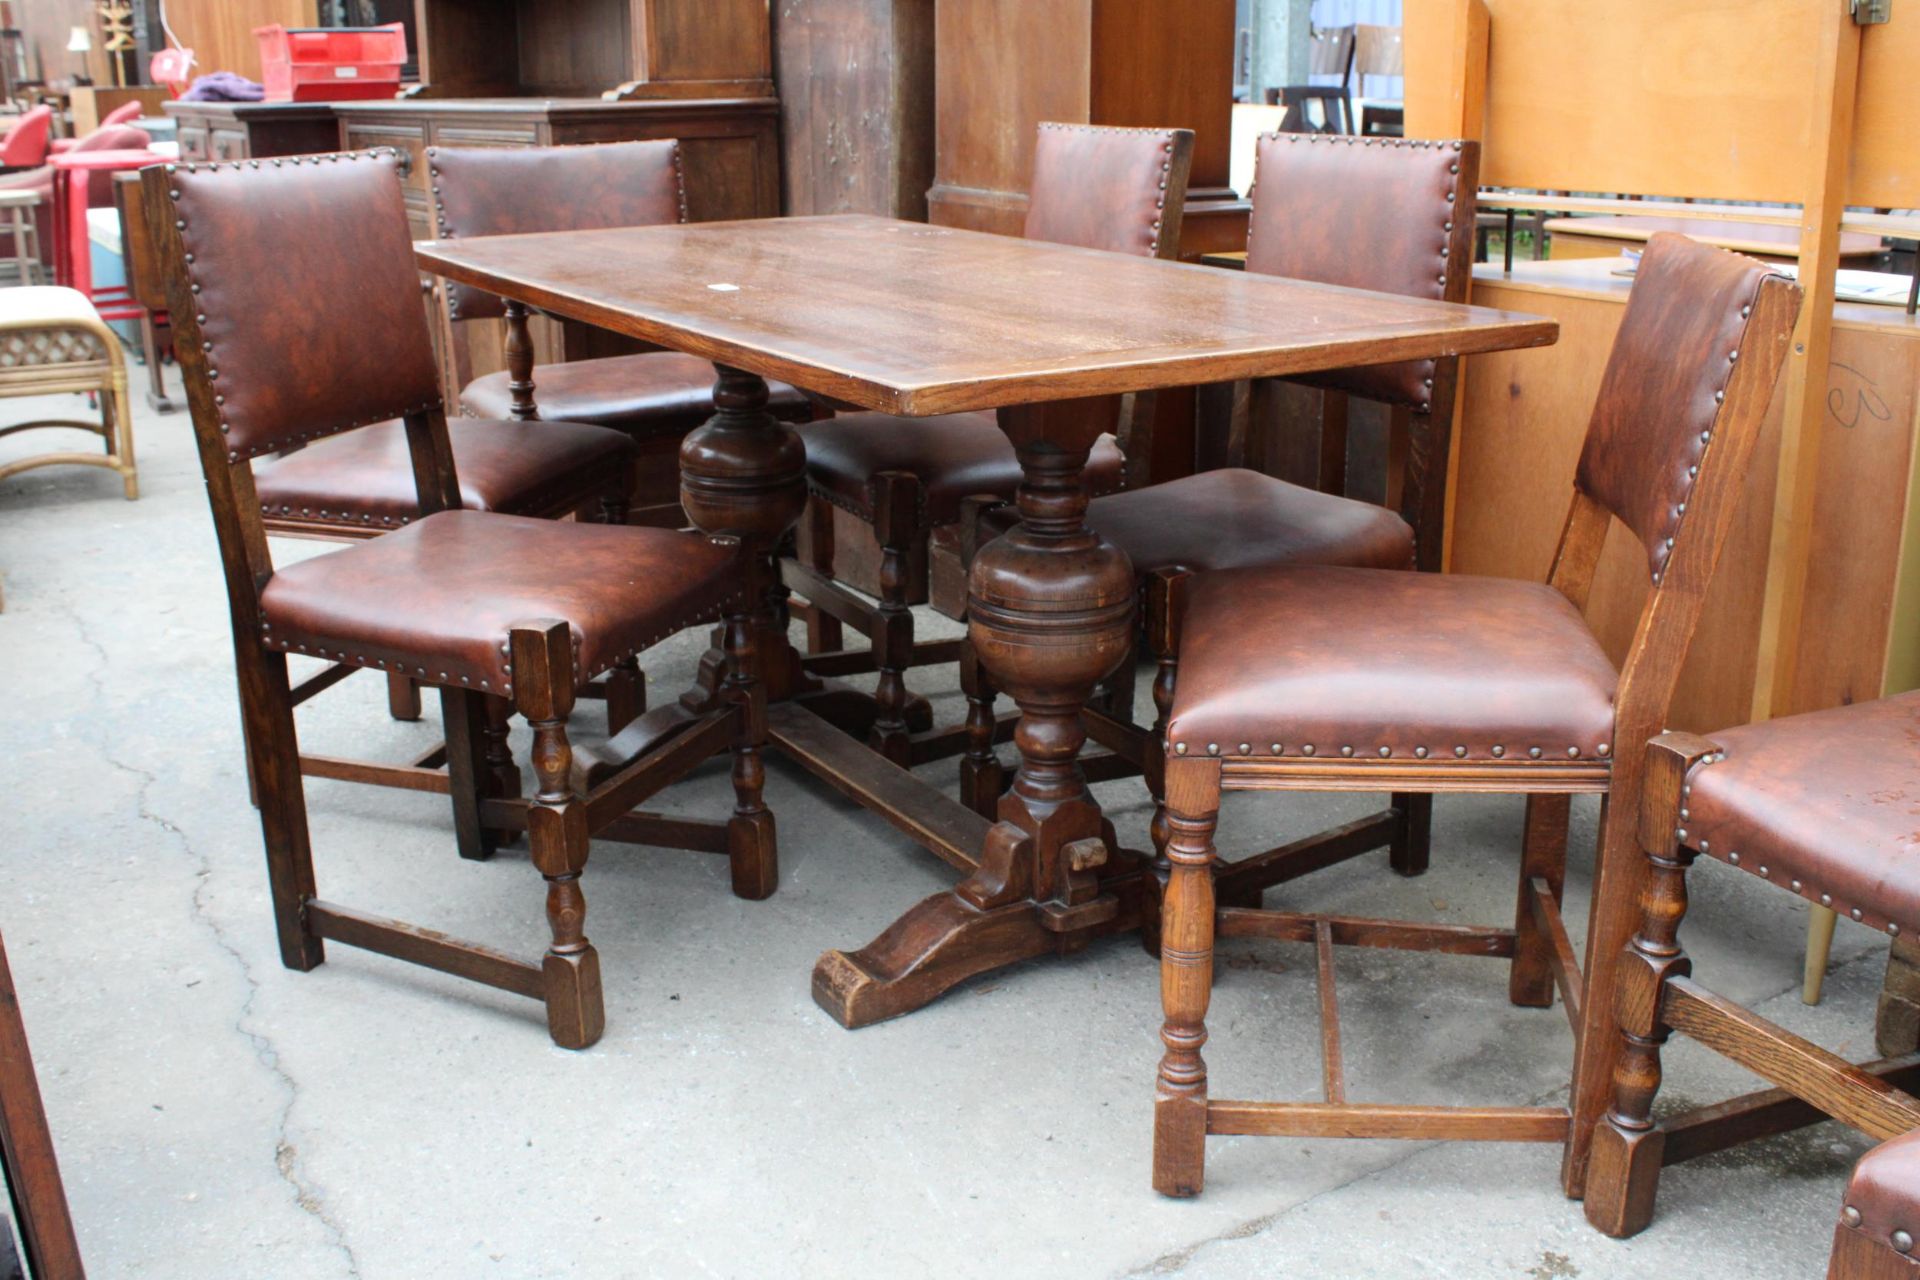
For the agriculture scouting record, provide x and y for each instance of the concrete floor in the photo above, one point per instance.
(217, 1115)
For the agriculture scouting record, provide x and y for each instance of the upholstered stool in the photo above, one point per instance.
(1340, 679)
(1821, 805)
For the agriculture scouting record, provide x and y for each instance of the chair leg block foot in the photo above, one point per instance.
(1623, 1176)
(1179, 1145)
(302, 952)
(753, 851)
(576, 1015)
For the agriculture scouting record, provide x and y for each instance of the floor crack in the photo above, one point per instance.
(286, 1157)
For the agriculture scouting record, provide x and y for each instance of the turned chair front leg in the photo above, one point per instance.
(543, 691)
(752, 846)
(1623, 1171)
(1186, 978)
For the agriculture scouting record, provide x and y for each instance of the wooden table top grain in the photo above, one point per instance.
(914, 319)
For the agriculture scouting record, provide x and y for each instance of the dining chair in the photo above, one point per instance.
(123, 115)
(1334, 678)
(26, 144)
(1094, 186)
(1880, 1217)
(655, 397)
(1821, 806)
(360, 485)
(478, 604)
(1389, 215)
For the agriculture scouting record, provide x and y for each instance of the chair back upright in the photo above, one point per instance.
(1390, 215)
(261, 376)
(1393, 216)
(1102, 187)
(1680, 407)
(492, 191)
(26, 143)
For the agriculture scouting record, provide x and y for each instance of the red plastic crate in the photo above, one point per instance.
(302, 64)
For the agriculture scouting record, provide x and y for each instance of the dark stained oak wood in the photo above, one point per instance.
(946, 320)
(914, 320)
(39, 1198)
(1764, 1113)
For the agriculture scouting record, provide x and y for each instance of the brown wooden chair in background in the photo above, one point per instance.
(1341, 679)
(1392, 216)
(1097, 187)
(481, 605)
(1822, 806)
(656, 397)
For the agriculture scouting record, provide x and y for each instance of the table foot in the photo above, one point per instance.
(940, 943)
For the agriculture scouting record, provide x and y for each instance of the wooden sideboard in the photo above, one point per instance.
(253, 130)
(731, 147)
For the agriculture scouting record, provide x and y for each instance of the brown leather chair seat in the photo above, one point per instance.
(1823, 804)
(443, 592)
(649, 393)
(956, 456)
(1233, 519)
(1341, 662)
(365, 477)
(1883, 1195)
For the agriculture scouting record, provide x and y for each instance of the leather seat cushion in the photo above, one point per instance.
(651, 392)
(363, 479)
(1828, 803)
(1885, 1190)
(1232, 518)
(1351, 661)
(956, 456)
(437, 598)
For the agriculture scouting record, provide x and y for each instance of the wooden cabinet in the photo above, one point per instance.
(253, 130)
(857, 117)
(731, 149)
(625, 48)
(1003, 66)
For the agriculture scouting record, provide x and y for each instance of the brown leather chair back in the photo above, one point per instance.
(1387, 214)
(306, 296)
(1110, 188)
(1677, 350)
(491, 191)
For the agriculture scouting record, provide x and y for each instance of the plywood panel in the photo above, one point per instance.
(1648, 96)
(220, 32)
(986, 106)
(1886, 160)
(1854, 559)
(1150, 73)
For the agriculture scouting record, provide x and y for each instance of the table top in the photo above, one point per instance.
(1745, 237)
(913, 319)
(19, 197)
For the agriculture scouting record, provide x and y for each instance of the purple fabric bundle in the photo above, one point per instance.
(223, 86)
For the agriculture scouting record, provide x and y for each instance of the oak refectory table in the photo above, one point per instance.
(916, 320)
